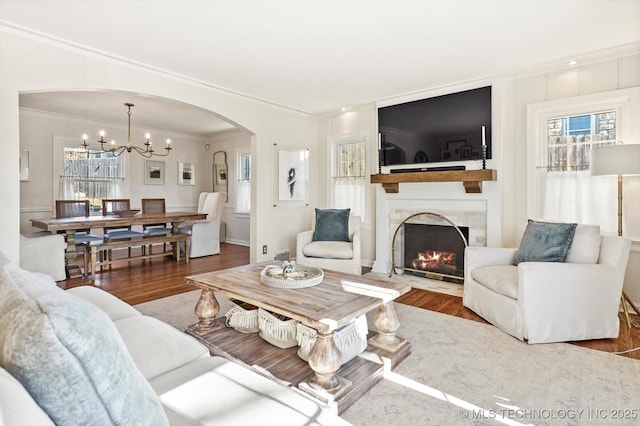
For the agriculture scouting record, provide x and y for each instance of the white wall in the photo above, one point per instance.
(237, 225)
(30, 63)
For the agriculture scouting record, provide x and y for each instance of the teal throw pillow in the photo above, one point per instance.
(332, 225)
(69, 356)
(545, 242)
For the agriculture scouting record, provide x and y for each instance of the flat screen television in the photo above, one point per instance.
(445, 128)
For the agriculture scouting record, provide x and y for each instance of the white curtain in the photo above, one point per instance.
(582, 198)
(66, 189)
(243, 196)
(115, 189)
(349, 193)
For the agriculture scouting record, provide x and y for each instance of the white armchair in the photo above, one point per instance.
(205, 234)
(549, 301)
(342, 256)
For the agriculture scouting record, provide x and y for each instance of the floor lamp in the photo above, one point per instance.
(620, 160)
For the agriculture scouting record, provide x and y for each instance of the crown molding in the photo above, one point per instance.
(32, 34)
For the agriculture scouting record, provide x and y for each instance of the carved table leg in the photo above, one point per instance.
(325, 360)
(206, 309)
(72, 269)
(387, 323)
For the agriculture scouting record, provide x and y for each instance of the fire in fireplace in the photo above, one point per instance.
(436, 251)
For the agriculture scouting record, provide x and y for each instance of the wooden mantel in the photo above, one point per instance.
(471, 179)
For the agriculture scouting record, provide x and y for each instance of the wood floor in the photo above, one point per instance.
(137, 281)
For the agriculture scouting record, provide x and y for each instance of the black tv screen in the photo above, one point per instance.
(443, 128)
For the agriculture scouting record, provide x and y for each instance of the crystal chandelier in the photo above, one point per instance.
(146, 151)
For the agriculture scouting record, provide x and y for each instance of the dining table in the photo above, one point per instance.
(69, 226)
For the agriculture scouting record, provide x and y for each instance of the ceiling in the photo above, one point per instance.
(317, 56)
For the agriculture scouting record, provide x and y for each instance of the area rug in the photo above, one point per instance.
(464, 372)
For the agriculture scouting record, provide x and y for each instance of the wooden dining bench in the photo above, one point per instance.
(91, 249)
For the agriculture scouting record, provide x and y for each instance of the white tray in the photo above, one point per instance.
(301, 277)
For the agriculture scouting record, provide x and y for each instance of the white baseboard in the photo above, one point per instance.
(238, 242)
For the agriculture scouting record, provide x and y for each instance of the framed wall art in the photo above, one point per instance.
(293, 175)
(186, 173)
(153, 172)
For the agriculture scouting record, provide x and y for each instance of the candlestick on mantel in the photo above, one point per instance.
(484, 149)
(484, 157)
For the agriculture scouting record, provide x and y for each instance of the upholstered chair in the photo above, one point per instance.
(549, 297)
(205, 234)
(322, 250)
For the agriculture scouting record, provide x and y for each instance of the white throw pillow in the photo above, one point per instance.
(585, 247)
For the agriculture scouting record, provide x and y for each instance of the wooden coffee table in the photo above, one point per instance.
(326, 307)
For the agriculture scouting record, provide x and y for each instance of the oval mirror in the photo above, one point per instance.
(220, 173)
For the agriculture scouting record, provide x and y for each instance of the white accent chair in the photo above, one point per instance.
(205, 234)
(342, 256)
(544, 302)
(45, 253)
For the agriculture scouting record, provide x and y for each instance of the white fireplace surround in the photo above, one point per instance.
(471, 210)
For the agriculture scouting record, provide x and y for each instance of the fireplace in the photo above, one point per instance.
(435, 251)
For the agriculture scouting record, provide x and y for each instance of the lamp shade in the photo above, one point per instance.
(616, 160)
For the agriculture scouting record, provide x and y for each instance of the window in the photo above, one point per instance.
(350, 160)
(349, 174)
(243, 192)
(91, 175)
(561, 135)
(571, 138)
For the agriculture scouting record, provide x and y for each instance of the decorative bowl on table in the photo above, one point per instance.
(291, 276)
(126, 213)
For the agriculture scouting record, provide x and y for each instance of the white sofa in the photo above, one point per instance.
(182, 383)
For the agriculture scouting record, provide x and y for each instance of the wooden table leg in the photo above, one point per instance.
(72, 269)
(94, 254)
(387, 323)
(206, 309)
(85, 258)
(324, 360)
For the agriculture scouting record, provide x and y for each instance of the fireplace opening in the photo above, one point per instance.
(435, 251)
